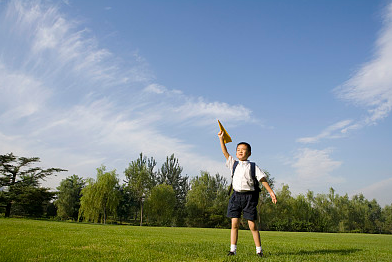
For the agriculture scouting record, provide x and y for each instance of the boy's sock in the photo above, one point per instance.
(259, 250)
(233, 248)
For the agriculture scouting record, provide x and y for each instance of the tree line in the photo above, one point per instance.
(164, 197)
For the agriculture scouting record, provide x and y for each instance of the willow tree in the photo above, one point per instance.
(100, 198)
(160, 205)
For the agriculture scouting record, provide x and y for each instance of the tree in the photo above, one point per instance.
(20, 182)
(281, 214)
(151, 163)
(386, 215)
(207, 201)
(139, 180)
(170, 174)
(373, 222)
(264, 207)
(68, 197)
(160, 204)
(128, 204)
(30, 201)
(100, 198)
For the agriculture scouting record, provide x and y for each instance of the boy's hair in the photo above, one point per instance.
(247, 145)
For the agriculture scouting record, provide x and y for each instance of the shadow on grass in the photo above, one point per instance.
(320, 252)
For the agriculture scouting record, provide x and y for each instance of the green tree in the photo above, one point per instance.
(128, 204)
(365, 215)
(302, 215)
(386, 216)
(30, 200)
(265, 207)
(160, 205)
(207, 201)
(357, 213)
(68, 197)
(139, 179)
(20, 182)
(373, 222)
(100, 198)
(325, 214)
(281, 214)
(170, 174)
(343, 207)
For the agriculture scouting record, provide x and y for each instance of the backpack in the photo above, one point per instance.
(252, 174)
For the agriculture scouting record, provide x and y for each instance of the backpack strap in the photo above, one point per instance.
(232, 175)
(253, 175)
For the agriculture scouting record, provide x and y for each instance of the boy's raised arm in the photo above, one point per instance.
(223, 146)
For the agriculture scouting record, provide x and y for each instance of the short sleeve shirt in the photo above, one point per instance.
(242, 179)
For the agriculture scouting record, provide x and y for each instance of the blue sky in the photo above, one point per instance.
(307, 83)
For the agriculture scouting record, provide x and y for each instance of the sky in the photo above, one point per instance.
(307, 83)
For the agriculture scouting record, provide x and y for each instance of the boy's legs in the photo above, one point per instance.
(235, 222)
(234, 211)
(255, 232)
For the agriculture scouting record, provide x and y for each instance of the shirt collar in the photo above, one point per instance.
(243, 162)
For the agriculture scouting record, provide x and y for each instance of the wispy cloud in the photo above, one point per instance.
(196, 111)
(21, 95)
(370, 87)
(336, 130)
(380, 190)
(77, 105)
(208, 112)
(313, 170)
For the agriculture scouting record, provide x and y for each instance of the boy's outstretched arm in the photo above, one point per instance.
(270, 191)
(223, 146)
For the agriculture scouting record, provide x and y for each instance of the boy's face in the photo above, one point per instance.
(242, 152)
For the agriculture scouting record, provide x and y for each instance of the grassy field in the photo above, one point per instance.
(32, 240)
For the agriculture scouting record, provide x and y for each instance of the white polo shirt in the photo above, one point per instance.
(242, 179)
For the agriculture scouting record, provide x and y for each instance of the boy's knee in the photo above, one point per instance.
(235, 223)
(252, 225)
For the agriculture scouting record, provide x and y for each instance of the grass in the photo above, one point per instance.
(33, 240)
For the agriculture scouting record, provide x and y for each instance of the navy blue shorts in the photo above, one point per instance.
(245, 202)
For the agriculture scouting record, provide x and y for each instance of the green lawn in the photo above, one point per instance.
(32, 240)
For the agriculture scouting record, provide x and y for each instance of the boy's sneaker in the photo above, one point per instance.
(231, 253)
(260, 254)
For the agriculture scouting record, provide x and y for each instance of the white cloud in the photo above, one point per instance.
(380, 190)
(371, 86)
(155, 88)
(336, 130)
(78, 105)
(313, 170)
(207, 113)
(21, 95)
(313, 164)
(160, 89)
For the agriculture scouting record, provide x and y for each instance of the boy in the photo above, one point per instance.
(246, 193)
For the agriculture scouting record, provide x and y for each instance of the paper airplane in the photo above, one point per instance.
(226, 137)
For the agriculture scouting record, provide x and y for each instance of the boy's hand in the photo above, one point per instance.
(220, 134)
(273, 197)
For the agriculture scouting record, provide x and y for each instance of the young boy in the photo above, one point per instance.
(245, 196)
